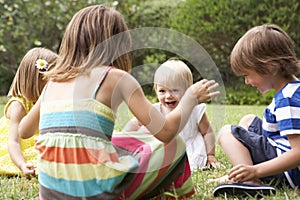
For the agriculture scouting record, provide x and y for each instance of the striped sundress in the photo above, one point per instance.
(78, 161)
(76, 157)
(163, 168)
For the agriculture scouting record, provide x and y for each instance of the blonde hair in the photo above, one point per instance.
(265, 49)
(27, 81)
(96, 36)
(173, 71)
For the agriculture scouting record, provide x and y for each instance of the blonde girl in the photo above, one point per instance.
(17, 155)
(76, 113)
(171, 80)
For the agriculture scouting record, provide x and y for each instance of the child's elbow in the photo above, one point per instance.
(166, 136)
(22, 133)
(166, 140)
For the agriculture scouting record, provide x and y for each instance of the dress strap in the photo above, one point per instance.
(43, 92)
(101, 81)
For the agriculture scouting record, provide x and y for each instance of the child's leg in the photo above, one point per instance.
(233, 148)
(247, 146)
(236, 152)
(246, 121)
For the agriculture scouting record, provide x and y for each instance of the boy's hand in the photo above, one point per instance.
(243, 173)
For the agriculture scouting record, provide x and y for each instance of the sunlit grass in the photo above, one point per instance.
(20, 188)
(16, 188)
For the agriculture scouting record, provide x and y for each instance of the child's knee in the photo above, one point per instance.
(246, 121)
(223, 132)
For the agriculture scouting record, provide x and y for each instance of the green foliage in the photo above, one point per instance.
(26, 24)
(154, 13)
(214, 24)
(217, 25)
(247, 95)
(6, 77)
(140, 14)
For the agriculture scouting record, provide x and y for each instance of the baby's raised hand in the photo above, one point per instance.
(205, 90)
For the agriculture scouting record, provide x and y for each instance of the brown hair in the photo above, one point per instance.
(265, 49)
(96, 36)
(28, 78)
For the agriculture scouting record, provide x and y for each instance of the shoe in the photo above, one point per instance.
(244, 190)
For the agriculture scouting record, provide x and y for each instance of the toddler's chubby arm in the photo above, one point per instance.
(209, 140)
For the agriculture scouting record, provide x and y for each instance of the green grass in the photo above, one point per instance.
(20, 188)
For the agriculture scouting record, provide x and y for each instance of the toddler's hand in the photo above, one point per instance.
(212, 162)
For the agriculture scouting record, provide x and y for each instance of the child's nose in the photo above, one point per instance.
(169, 94)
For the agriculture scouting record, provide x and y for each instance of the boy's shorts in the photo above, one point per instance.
(258, 145)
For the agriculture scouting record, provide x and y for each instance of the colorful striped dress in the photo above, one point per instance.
(163, 168)
(77, 159)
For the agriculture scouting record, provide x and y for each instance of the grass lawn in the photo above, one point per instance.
(19, 188)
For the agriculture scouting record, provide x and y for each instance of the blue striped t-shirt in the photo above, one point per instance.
(282, 118)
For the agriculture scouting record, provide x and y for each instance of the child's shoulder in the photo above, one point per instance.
(201, 106)
(290, 90)
(18, 100)
(117, 74)
(199, 110)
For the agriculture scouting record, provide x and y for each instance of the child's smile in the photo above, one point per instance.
(262, 83)
(171, 104)
(169, 96)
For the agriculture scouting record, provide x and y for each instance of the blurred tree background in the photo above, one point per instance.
(216, 25)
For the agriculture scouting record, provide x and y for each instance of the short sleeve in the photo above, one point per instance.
(288, 116)
(198, 111)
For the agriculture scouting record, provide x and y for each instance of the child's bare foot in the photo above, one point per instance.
(221, 180)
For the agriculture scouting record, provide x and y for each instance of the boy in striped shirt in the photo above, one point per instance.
(266, 150)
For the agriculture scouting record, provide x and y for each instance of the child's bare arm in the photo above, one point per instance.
(164, 128)
(209, 140)
(30, 123)
(15, 113)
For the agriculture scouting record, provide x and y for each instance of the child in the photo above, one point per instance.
(75, 116)
(266, 151)
(171, 80)
(19, 155)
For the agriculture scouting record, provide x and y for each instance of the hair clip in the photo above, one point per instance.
(41, 64)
